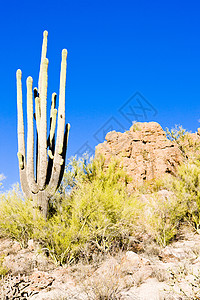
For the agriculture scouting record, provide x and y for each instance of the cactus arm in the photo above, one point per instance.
(60, 128)
(67, 134)
(53, 103)
(56, 180)
(20, 125)
(21, 141)
(53, 127)
(50, 154)
(21, 160)
(51, 138)
(37, 118)
(35, 92)
(43, 56)
(42, 146)
(61, 109)
(30, 138)
(53, 114)
(43, 128)
(62, 163)
(37, 113)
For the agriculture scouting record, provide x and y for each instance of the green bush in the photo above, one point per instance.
(93, 213)
(16, 216)
(186, 142)
(97, 214)
(162, 216)
(187, 190)
(3, 270)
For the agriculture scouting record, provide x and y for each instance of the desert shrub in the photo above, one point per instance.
(3, 270)
(93, 213)
(162, 216)
(97, 214)
(188, 144)
(176, 133)
(187, 190)
(16, 216)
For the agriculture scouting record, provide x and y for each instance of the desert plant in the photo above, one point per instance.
(187, 190)
(3, 269)
(184, 195)
(187, 142)
(16, 217)
(97, 216)
(49, 164)
(162, 216)
(176, 133)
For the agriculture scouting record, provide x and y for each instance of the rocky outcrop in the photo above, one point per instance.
(144, 151)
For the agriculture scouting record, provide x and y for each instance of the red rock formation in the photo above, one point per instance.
(144, 150)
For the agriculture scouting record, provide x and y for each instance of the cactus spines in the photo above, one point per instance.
(49, 162)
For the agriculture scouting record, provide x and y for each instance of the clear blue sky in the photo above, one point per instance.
(115, 50)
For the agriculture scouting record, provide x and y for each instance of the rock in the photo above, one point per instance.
(133, 259)
(108, 267)
(26, 261)
(144, 151)
(8, 246)
(31, 245)
(183, 250)
(41, 280)
(135, 267)
(171, 255)
(151, 289)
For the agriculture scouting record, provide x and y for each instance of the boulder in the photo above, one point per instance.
(144, 151)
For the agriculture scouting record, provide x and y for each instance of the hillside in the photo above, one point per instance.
(123, 226)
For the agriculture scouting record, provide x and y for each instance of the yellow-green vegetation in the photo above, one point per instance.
(95, 216)
(174, 200)
(93, 212)
(135, 126)
(188, 145)
(177, 133)
(162, 216)
(16, 216)
(3, 270)
(186, 188)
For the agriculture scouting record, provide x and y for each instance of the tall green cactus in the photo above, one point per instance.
(50, 156)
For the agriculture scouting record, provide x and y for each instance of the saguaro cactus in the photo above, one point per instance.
(50, 156)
